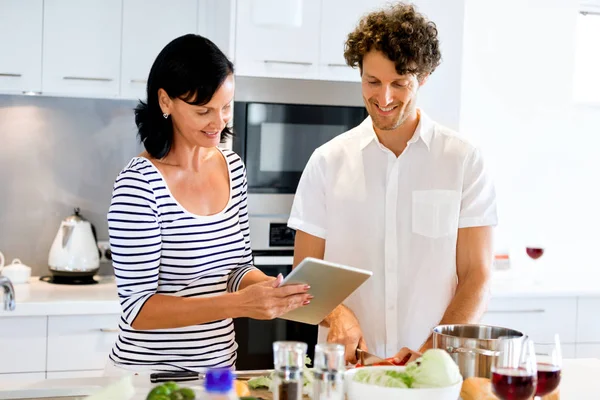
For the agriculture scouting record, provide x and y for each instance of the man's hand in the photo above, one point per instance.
(344, 329)
(405, 355)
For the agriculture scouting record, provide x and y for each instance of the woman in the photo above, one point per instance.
(178, 224)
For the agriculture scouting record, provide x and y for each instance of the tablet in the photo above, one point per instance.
(330, 284)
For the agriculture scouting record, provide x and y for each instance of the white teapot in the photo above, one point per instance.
(16, 271)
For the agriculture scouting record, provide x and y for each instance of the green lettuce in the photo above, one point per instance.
(385, 378)
(266, 382)
(435, 368)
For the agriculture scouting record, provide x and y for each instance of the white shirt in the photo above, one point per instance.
(398, 217)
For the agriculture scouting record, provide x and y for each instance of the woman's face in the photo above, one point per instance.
(200, 125)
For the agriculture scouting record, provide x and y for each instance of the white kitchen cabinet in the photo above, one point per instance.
(25, 377)
(82, 47)
(588, 320)
(338, 19)
(216, 21)
(277, 38)
(540, 318)
(21, 46)
(146, 33)
(587, 350)
(22, 344)
(568, 350)
(80, 342)
(75, 374)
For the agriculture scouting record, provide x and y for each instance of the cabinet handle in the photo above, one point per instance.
(10, 75)
(107, 330)
(85, 78)
(336, 65)
(532, 311)
(138, 81)
(287, 62)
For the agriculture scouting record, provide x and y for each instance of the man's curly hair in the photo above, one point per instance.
(404, 35)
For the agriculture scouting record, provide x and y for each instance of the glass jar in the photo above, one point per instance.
(330, 364)
(288, 378)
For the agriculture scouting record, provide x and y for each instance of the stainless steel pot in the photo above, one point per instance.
(473, 347)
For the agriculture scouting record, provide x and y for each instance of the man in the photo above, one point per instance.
(400, 195)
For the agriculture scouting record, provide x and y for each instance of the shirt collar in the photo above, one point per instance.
(423, 132)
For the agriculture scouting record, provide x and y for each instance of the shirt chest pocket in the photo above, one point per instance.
(435, 212)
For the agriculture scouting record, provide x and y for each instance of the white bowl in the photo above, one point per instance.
(360, 391)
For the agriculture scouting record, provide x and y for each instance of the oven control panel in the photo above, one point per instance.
(280, 235)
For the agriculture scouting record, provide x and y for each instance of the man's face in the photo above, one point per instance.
(390, 98)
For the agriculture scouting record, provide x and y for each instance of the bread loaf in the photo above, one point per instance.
(477, 389)
(481, 389)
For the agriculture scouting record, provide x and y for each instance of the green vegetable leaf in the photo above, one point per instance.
(261, 382)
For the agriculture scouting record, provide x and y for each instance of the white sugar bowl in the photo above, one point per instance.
(16, 271)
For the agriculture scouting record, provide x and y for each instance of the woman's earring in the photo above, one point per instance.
(165, 115)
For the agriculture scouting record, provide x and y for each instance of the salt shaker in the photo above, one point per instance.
(329, 372)
(288, 378)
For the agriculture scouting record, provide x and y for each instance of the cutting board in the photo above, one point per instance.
(262, 394)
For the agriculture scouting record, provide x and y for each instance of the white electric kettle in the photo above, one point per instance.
(74, 252)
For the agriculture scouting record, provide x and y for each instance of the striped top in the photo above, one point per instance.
(158, 247)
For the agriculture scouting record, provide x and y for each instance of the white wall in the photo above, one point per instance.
(516, 103)
(439, 96)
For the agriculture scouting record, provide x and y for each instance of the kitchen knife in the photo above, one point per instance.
(366, 358)
(183, 376)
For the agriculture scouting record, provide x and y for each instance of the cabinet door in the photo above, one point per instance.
(22, 344)
(80, 342)
(277, 38)
(21, 46)
(82, 47)
(588, 323)
(338, 19)
(146, 33)
(540, 318)
(216, 21)
(586, 350)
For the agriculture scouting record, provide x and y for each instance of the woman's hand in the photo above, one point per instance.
(266, 300)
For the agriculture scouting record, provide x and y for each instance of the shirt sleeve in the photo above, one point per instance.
(309, 209)
(245, 263)
(478, 203)
(135, 241)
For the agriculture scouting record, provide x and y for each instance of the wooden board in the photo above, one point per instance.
(265, 394)
(262, 394)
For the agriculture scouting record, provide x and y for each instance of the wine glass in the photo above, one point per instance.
(514, 372)
(534, 252)
(549, 366)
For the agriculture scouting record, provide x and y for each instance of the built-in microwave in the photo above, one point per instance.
(276, 140)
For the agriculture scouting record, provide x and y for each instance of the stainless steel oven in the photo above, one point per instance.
(278, 123)
(273, 254)
(275, 140)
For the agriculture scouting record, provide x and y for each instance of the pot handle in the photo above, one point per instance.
(482, 352)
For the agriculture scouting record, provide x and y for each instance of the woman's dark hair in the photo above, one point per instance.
(190, 68)
(404, 35)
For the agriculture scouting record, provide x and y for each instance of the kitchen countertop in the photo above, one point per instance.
(42, 298)
(579, 382)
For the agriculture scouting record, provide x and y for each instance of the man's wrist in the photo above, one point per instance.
(427, 345)
(335, 314)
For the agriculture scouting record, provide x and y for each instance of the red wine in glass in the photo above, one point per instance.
(513, 384)
(548, 378)
(535, 252)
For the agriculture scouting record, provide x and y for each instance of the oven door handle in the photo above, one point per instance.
(273, 260)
